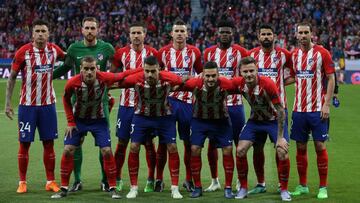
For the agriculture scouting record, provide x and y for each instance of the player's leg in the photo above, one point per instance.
(259, 162)
(47, 127)
(246, 140)
(212, 155)
(104, 185)
(27, 126)
(320, 131)
(123, 130)
(237, 117)
(199, 128)
(151, 162)
(299, 133)
(161, 157)
(166, 127)
(184, 122)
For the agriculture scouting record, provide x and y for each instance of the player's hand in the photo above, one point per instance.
(325, 112)
(283, 144)
(9, 112)
(69, 131)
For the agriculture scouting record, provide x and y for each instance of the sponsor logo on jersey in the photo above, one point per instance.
(226, 71)
(268, 72)
(43, 68)
(305, 74)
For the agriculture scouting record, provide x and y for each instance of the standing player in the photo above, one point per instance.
(313, 68)
(183, 60)
(152, 112)
(267, 117)
(103, 52)
(210, 119)
(35, 61)
(127, 58)
(274, 63)
(87, 114)
(227, 56)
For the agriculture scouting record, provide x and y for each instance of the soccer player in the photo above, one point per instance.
(227, 56)
(88, 114)
(210, 119)
(152, 112)
(127, 58)
(183, 60)
(274, 63)
(267, 117)
(35, 61)
(313, 67)
(103, 52)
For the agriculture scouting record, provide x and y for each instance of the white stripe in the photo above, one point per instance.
(217, 56)
(132, 59)
(28, 78)
(298, 81)
(261, 60)
(309, 81)
(38, 60)
(282, 88)
(318, 81)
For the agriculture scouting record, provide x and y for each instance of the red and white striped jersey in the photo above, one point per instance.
(36, 67)
(275, 65)
(262, 98)
(186, 61)
(310, 69)
(89, 102)
(228, 61)
(152, 100)
(127, 58)
(209, 103)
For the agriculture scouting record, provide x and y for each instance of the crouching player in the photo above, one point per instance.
(267, 117)
(87, 114)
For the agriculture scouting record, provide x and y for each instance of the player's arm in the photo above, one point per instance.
(65, 67)
(197, 64)
(188, 85)
(131, 80)
(281, 142)
(17, 64)
(111, 78)
(116, 64)
(69, 91)
(329, 68)
(289, 74)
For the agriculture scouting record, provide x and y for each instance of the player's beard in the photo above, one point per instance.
(266, 44)
(90, 38)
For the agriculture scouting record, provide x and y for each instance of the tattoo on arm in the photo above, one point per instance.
(281, 119)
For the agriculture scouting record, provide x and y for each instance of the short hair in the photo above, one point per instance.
(247, 60)
(151, 60)
(138, 24)
(225, 23)
(179, 22)
(265, 26)
(210, 65)
(88, 59)
(91, 19)
(40, 22)
(304, 24)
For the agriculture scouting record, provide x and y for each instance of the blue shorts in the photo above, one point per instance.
(182, 113)
(41, 117)
(237, 117)
(124, 120)
(254, 129)
(99, 128)
(142, 126)
(262, 139)
(304, 123)
(217, 130)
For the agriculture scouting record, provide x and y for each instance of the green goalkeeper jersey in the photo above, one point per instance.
(102, 51)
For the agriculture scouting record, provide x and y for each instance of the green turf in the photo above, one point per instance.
(344, 166)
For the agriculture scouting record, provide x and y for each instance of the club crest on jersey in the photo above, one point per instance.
(231, 58)
(100, 56)
(310, 60)
(275, 59)
(187, 59)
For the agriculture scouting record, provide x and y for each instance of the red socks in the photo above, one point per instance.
(67, 165)
(110, 169)
(23, 159)
(322, 164)
(283, 172)
(242, 168)
(174, 167)
(213, 159)
(49, 159)
(133, 164)
(187, 157)
(228, 163)
(196, 170)
(120, 154)
(150, 159)
(161, 156)
(259, 161)
(302, 163)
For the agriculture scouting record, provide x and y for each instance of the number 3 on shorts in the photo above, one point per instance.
(132, 128)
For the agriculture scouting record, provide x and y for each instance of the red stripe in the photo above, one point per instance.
(303, 83)
(314, 83)
(33, 78)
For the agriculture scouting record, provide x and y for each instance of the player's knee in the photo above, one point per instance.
(301, 145)
(227, 150)
(106, 151)
(240, 151)
(282, 154)
(122, 142)
(69, 150)
(172, 148)
(319, 145)
(195, 150)
(135, 147)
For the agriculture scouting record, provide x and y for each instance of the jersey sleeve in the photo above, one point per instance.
(192, 84)
(66, 66)
(197, 64)
(59, 51)
(272, 91)
(172, 78)
(69, 90)
(18, 61)
(159, 57)
(328, 63)
(226, 84)
(117, 59)
(237, 83)
(206, 55)
(131, 80)
(288, 66)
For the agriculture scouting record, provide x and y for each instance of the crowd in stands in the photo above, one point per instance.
(335, 23)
